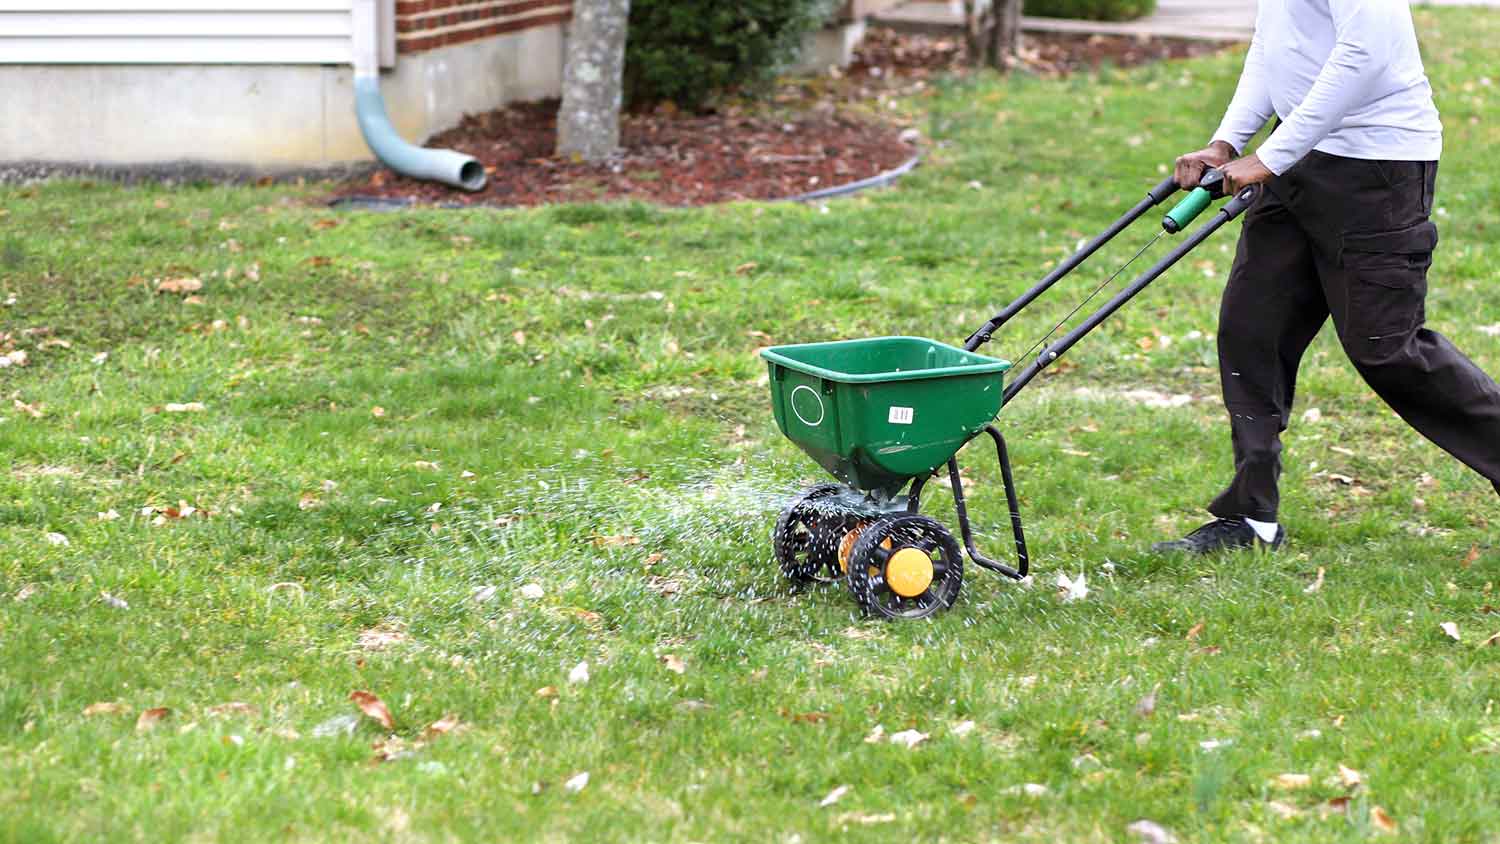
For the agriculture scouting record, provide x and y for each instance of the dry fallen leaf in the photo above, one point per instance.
(379, 638)
(876, 735)
(1317, 583)
(378, 412)
(183, 407)
(547, 691)
(1470, 557)
(615, 541)
(1450, 630)
(1349, 777)
(224, 710)
(309, 501)
(674, 663)
(1382, 821)
(54, 538)
(1283, 810)
(150, 717)
(833, 796)
(962, 728)
(373, 707)
(1292, 781)
(1494, 638)
(442, 726)
(1151, 832)
(103, 708)
(532, 591)
(908, 738)
(576, 783)
(179, 285)
(1195, 631)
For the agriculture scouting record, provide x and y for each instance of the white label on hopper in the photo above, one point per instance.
(900, 416)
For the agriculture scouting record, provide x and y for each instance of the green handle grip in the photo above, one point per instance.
(1185, 211)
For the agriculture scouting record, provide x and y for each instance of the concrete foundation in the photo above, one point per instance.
(259, 118)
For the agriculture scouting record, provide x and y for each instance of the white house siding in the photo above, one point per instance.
(261, 85)
(176, 32)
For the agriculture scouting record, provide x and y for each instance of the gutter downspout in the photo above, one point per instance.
(437, 165)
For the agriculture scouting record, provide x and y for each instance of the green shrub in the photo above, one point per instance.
(1093, 10)
(687, 51)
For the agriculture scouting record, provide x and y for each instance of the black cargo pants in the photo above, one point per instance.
(1348, 238)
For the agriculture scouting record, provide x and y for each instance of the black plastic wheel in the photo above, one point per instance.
(807, 535)
(930, 579)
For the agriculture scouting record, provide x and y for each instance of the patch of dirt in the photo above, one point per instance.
(813, 133)
(667, 158)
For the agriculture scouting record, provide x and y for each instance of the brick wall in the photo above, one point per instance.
(429, 24)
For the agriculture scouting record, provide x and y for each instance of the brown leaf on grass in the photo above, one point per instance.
(1470, 557)
(1292, 781)
(318, 261)
(309, 501)
(1335, 806)
(35, 411)
(444, 725)
(547, 691)
(150, 717)
(103, 708)
(378, 412)
(1382, 820)
(1283, 810)
(325, 223)
(234, 707)
(373, 707)
(1195, 631)
(1349, 777)
(1494, 639)
(804, 717)
(745, 268)
(181, 286)
(616, 541)
(674, 663)
(380, 638)
(177, 407)
(1317, 584)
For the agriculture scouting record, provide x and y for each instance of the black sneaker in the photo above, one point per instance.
(1220, 535)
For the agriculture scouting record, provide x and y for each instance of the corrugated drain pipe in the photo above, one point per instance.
(437, 165)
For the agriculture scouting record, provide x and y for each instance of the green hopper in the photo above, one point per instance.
(883, 415)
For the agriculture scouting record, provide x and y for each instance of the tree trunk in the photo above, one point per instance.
(993, 28)
(1005, 34)
(588, 123)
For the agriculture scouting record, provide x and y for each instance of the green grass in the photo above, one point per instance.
(557, 377)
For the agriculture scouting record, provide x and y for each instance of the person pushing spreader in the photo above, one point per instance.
(883, 415)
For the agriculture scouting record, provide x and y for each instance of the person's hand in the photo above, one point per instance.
(1190, 166)
(1243, 172)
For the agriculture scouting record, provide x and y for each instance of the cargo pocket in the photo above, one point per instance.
(1387, 278)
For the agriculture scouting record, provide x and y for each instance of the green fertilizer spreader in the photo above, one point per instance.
(883, 415)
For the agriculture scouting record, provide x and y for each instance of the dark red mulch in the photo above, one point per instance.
(672, 159)
(818, 132)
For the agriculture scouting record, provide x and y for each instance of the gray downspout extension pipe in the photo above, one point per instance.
(436, 165)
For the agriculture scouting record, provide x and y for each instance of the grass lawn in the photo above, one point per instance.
(444, 457)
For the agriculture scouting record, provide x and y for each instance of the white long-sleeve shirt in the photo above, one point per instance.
(1344, 76)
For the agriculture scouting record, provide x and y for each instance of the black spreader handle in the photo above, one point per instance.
(1231, 209)
(1165, 189)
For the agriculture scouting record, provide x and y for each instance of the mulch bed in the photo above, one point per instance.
(813, 133)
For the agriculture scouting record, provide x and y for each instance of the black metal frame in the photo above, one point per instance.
(1050, 353)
